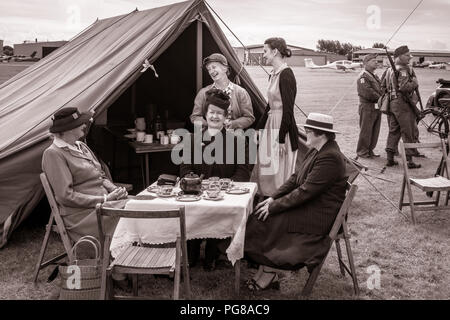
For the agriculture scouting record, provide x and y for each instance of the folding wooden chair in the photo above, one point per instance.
(144, 259)
(56, 224)
(338, 231)
(437, 184)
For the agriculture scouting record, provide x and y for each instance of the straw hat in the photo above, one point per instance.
(320, 121)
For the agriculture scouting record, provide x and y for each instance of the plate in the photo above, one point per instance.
(188, 198)
(173, 194)
(238, 191)
(132, 130)
(213, 199)
(130, 135)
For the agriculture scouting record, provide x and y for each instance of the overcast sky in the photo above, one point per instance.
(300, 22)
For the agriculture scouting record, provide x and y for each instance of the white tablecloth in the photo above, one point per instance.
(204, 219)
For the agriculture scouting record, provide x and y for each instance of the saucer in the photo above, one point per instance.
(238, 191)
(188, 198)
(213, 199)
(131, 130)
(130, 135)
(153, 189)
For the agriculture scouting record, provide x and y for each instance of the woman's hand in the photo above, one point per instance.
(117, 194)
(262, 209)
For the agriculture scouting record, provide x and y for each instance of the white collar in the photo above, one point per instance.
(228, 89)
(60, 143)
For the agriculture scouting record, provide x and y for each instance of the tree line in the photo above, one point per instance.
(344, 48)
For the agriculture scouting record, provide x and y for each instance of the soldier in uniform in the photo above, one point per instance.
(369, 91)
(402, 121)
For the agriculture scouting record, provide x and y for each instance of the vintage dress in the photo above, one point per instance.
(295, 233)
(240, 107)
(237, 169)
(272, 169)
(79, 183)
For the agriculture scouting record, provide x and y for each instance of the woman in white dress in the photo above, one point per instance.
(279, 141)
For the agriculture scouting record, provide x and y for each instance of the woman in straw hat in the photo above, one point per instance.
(240, 112)
(290, 229)
(76, 176)
(279, 140)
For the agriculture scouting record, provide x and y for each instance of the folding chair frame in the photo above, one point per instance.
(338, 231)
(55, 217)
(181, 260)
(444, 170)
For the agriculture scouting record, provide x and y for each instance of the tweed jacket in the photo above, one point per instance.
(234, 166)
(78, 183)
(312, 197)
(241, 107)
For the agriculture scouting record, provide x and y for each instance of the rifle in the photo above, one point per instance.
(407, 98)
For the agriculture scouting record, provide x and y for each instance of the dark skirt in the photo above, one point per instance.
(269, 243)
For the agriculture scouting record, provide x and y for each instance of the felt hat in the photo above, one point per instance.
(68, 118)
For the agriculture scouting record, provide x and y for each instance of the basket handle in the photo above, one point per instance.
(85, 239)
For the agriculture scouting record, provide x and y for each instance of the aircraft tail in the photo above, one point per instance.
(309, 63)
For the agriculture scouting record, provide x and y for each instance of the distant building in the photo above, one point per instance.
(419, 56)
(253, 55)
(1, 46)
(42, 48)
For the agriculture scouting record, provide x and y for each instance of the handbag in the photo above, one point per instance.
(167, 179)
(81, 279)
(384, 103)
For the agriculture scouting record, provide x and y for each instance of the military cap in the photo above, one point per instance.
(369, 57)
(400, 50)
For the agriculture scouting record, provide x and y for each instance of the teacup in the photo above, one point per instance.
(225, 183)
(140, 136)
(213, 193)
(166, 190)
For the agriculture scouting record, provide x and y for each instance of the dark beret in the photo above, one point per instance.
(218, 98)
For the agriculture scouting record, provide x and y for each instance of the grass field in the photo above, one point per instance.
(414, 260)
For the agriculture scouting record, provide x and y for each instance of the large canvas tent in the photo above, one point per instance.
(92, 72)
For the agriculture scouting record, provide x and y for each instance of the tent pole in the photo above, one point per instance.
(199, 71)
(133, 100)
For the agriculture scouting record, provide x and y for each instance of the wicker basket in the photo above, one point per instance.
(90, 275)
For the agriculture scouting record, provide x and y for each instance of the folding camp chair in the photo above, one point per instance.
(144, 259)
(437, 184)
(56, 224)
(338, 231)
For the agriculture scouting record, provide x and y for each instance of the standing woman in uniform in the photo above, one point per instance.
(279, 140)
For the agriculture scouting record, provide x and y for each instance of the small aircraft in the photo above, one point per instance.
(343, 65)
(423, 64)
(5, 58)
(438, 66)
(31, 57)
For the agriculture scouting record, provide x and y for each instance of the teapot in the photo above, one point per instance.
(191, 183)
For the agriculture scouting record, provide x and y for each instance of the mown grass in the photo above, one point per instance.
(414, 260)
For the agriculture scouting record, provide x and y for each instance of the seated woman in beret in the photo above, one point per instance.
(76, 176)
